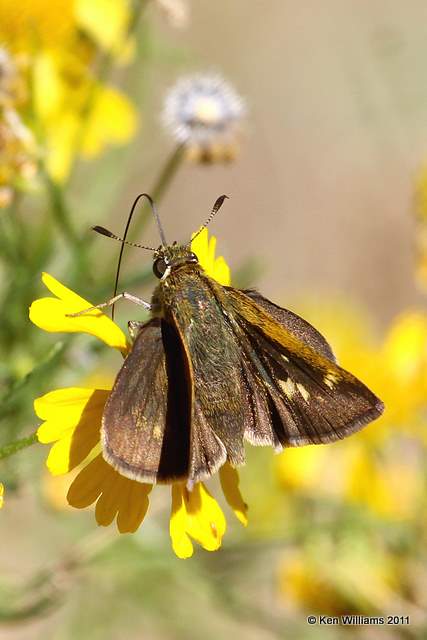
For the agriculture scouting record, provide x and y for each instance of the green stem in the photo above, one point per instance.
(13, 447)
(62, 217)
(59, 208)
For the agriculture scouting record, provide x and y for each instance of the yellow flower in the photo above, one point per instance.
(50, 314)
(340, 577)
(72, 421)
(1, 495)
(49, 22)
(391, 487)
(71, 112)
(204, 249)
(369, 468)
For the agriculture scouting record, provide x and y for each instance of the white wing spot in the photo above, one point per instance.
(331, 379)
(288, 387)
(303, 391)
(157, 433)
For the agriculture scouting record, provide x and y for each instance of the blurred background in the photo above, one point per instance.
(319, 137)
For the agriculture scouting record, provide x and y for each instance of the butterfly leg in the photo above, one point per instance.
(124, 294)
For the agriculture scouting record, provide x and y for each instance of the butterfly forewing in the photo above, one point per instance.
(296, 325)
(146, 425)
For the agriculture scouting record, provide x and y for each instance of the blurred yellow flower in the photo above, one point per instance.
(1, 495)
(49, 23)
(72, 421)
(338, 578)
(380, 467)
(389, 485)
(69, 110)
(110, 32)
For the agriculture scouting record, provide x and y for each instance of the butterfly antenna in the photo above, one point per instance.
(156, 216)
(105, 232)
(109, 234)
(217, 206)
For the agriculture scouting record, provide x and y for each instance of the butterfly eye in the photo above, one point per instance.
(159, 267)
(193, 257)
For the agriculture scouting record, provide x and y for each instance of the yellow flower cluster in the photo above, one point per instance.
(72, 420)
(369, 468)
(58, 46)
(339, 578)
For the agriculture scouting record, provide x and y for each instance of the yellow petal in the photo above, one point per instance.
(73, 418)
(199, 245)
(211, 251)
(50, 314)
(87, 486)
(301, 468)
(105, 21)
(36, 23)
(61, 136)
(197, 515)
(108, 502)
(68, 407)
(181, 543)
(1, 495)
(113, 120)
(133, 506)
(48, 86)
(116, 495)
(229, 478)
(204, 248)
(406, 345)
(221, 272)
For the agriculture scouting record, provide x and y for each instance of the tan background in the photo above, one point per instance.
(337, 129)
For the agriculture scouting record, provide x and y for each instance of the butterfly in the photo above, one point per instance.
(215, 367)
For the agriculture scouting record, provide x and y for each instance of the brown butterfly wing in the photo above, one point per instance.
(149, 432)
(144, 432)
(220, 396)
(307, 397)
(299, 327)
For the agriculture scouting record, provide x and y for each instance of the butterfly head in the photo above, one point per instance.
(170, 257)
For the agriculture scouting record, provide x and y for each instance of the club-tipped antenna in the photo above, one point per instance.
(105, 232)
(217, 206)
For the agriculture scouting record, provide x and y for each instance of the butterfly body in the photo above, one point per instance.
(215, 367)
